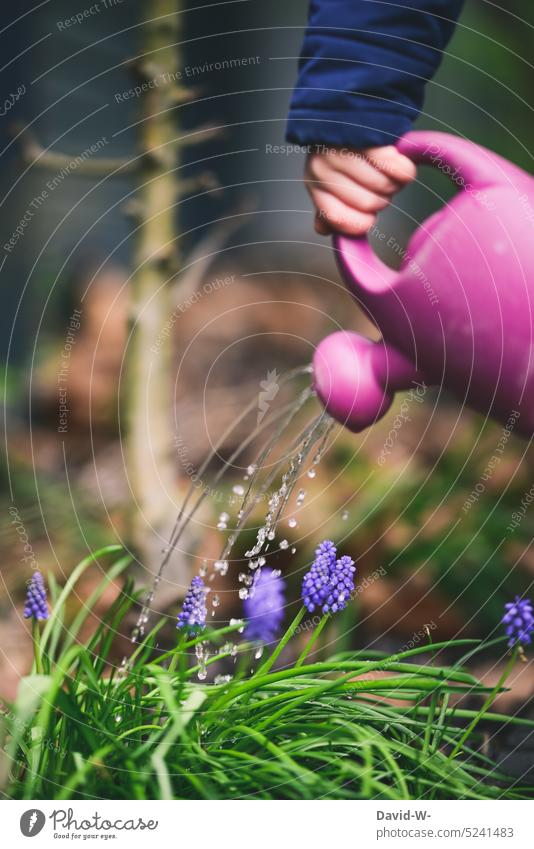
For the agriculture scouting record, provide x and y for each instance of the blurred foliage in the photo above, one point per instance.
(484, 87)
(415, 516)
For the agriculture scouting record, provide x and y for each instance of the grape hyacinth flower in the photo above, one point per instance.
(264, 607)
(519, 621)
(341, 585)
(36, 606)
(193, 613)
(330, 582)
(316, 583)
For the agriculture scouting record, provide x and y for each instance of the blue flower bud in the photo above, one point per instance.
(36, 606)
(193, 613)
(519, 621)
(330, 583)
(264, 607)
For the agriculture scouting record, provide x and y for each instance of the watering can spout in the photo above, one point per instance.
(356, 378)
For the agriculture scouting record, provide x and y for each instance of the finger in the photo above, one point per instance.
(389, 161)
(357, 167)
(345, 188)
(321, 226)
(341, 217)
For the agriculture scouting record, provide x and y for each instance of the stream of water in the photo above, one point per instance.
(265, 479)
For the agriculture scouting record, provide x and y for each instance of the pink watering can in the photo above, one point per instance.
(458, 313)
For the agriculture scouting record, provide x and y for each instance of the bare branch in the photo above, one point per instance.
(205, 181)
(180, 94)
(201, 134)
(34, 154)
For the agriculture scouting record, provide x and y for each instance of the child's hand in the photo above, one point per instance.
(348, 187)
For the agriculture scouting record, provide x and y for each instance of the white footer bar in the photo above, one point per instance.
(276, 825)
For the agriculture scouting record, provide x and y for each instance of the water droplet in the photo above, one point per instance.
(258, 653)
(224, 517)
(312, 472)
(284, 544)
(202, 673)
(292, 522)
(276, 573)
(238, 489)
(203, 571)
(222, 679)
(118, 717)
(215, 602)
(250, 470)
(243, 593)
(238, 622)
(345, 515)
(221, 566)
(271, 535)
(293, 550)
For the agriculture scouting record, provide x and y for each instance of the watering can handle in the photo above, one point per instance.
(466, 163)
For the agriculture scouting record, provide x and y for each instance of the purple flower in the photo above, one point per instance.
(326, 547)
(519, 621)
(341, 585)
(264, 607)
(193, 613)
(316, 583)
(36, 604)
(330, 582)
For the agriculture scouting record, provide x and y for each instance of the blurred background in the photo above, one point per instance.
(160, 269)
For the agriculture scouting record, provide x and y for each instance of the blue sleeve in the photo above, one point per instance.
(364, 66)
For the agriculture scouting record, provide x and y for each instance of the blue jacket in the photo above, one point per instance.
(363, 68)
